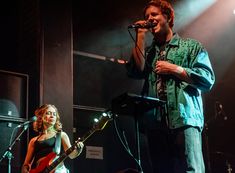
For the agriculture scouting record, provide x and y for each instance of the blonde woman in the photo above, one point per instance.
(43, 149)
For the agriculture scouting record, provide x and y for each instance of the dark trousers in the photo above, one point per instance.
(176, 151)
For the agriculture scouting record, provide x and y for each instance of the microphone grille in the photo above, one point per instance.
(34, 118)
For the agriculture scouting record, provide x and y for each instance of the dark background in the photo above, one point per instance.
(39, 39)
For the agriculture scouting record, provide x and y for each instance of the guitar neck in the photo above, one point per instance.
(61, 158)
(87, 135)
(65, 155)
(101, 124)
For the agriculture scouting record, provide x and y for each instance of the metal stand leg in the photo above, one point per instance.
(138, 145)
(9, 156)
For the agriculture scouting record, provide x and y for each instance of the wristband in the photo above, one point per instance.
(179, 70)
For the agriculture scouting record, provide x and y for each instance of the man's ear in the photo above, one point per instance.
(168, 20)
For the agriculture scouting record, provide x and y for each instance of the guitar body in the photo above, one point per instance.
(44, 163)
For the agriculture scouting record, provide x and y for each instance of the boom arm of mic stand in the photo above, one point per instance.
(8, 150)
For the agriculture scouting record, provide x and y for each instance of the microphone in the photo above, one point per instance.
(146, 25)
(31, 120)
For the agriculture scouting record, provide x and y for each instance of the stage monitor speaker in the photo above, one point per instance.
(13, 95)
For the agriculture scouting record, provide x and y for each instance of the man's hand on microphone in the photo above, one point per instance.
(140, 26)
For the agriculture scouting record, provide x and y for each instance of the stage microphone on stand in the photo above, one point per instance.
(146, 25)
(30, 121)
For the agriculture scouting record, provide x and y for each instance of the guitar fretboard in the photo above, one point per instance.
(101, 124)
(64, 155)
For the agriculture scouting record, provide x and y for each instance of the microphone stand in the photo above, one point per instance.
(8, 153)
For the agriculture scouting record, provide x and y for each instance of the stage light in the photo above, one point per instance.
(188, 10)
(104, 114)
(96, 120)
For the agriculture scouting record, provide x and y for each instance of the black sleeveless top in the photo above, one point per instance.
(43, 148)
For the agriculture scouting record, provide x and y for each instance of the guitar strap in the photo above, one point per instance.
(57, 143)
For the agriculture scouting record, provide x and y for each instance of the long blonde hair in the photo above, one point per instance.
(38, 124)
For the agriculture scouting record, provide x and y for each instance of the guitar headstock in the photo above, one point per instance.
(101, 122)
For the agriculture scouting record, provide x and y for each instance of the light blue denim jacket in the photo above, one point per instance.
(184, 101)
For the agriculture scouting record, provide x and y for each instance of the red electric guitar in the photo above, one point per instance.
(46, 166)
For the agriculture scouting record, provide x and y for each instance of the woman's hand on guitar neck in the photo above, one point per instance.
(77, 151)
(80, 147)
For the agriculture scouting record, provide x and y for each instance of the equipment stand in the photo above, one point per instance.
(8, 153)
(137, 140)
(135, 106)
